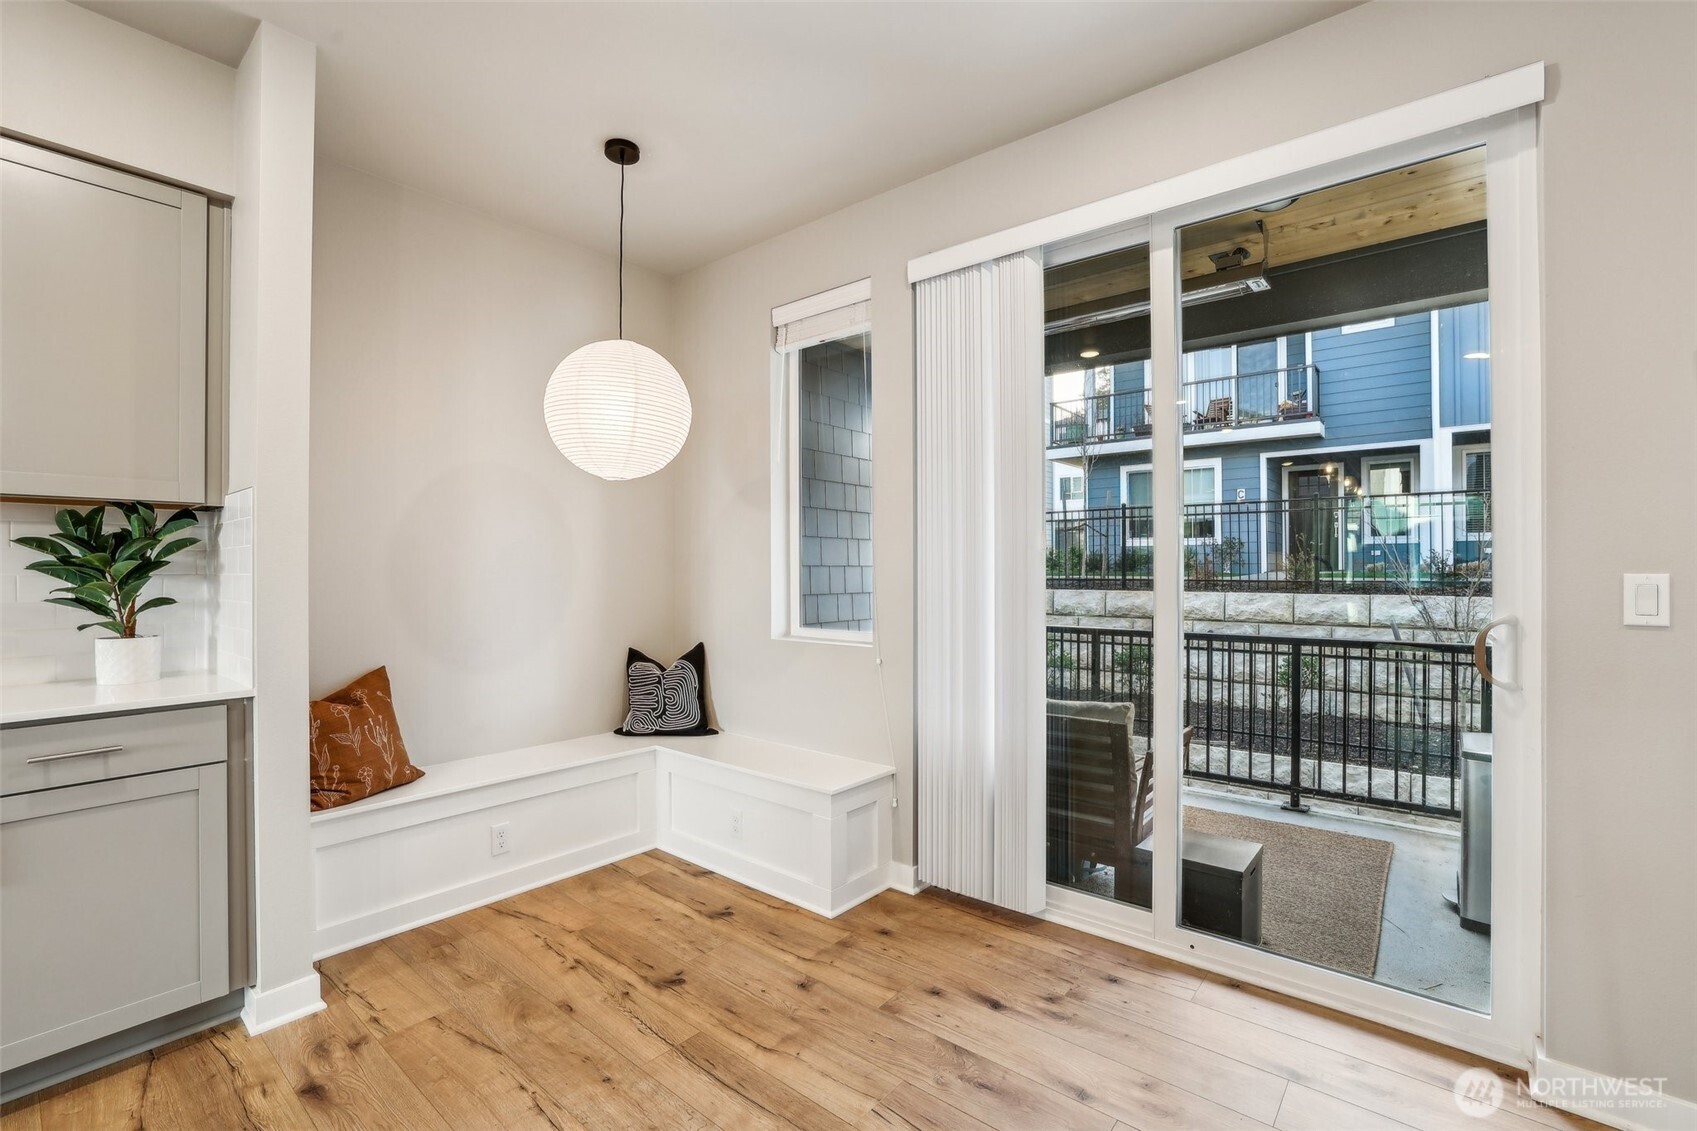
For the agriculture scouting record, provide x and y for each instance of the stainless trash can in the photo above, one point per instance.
(1473, 884)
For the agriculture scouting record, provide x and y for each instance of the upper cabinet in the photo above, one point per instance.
(104, 330)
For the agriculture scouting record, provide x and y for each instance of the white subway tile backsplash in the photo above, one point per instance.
(39, 643)
(232, 597)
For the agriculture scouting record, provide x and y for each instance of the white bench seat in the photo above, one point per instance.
(805, 826)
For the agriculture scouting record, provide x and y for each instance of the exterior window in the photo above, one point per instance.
(1201, 493)
(1476, 480)
(1389, 485)
(1069, 492)
(1201, 499)
(822, 530)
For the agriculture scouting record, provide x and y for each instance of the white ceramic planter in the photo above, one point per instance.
(117, 660)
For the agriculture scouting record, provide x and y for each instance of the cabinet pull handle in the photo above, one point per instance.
(73, 754)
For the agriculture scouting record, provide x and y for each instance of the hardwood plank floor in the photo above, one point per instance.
(653, 993)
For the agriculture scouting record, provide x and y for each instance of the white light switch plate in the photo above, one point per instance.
(1644, 599)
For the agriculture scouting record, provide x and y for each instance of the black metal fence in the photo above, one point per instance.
(1373, 722)
(1431, 541)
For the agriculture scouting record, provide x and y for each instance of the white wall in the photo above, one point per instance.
(82, 82)
(450, 539)
(1620, 160)
(270, 377)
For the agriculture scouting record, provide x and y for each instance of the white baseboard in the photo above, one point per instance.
(1631, 1105)
(905, 879)
(267, 1009)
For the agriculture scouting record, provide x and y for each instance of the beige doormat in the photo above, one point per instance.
(1322, 892)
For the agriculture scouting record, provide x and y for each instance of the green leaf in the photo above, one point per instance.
(132, 589)
(58, 571)
(101, 562)
(155, 603)
(136, 548)
(78, 543)
(111, 625)
(147, 514)
(176, 547)
(94, 590)
(67, 521)
(178, 523)
(186, 512)
(95, 520)
(86, 606)
(138, 529)
(41, 546)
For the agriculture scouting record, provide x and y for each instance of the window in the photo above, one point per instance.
(1390, 483)
(1201, 499)
(1069, 491)
(1476, 481)
(822, 468)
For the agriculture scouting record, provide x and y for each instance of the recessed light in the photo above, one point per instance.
(1089, 353)
(1287, 463)
(1276, 205)
(1477, 355)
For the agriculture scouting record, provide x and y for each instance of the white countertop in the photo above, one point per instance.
(77, 699)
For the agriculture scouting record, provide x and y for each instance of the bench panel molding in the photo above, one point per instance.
(820, 839)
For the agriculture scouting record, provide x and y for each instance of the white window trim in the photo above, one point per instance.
(1368, 463)
(1458, 456)
(786, 466)
(1127, 470)
(1060, 500)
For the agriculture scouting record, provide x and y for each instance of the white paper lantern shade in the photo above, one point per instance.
(617, 409)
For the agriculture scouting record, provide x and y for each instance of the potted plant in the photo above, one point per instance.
(105, 572)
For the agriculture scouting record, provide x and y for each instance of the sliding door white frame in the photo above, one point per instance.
(1511, 1031)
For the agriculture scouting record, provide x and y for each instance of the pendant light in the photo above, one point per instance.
(616, 408)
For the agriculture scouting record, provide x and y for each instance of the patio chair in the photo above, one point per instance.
(1218, 414)
(1093, 805)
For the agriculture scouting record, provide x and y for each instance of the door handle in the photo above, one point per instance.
(73, 754)
(1479, 660)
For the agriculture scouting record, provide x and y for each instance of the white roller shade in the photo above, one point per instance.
(979, 581)
(823, 317)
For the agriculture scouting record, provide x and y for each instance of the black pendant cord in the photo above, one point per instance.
(621, 252)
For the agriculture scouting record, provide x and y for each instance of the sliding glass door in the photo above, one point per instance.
(1336, 742)
(1285, 678)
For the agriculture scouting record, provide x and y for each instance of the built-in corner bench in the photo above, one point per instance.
(807, 827)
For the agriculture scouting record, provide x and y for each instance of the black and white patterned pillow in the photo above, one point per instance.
(667, 700)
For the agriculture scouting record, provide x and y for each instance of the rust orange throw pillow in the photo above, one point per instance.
(356, 743)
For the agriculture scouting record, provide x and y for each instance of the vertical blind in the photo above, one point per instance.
(979, 582)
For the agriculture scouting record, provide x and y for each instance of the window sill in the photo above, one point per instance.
(840, 639)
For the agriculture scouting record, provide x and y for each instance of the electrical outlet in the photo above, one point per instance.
(736, 824)
(498, 843)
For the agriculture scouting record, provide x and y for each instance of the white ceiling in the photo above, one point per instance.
(753, 118)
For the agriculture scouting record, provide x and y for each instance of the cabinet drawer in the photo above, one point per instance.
(49, 755)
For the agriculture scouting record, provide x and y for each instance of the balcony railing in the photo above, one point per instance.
(1433, 541)
(1214, 404)
(1376, 723)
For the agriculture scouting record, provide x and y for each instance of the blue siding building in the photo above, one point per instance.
(1381, 428)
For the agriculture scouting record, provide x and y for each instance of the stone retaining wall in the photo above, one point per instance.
(1332, 616)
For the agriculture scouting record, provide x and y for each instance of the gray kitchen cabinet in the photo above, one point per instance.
(114, 876)
(103, 333)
